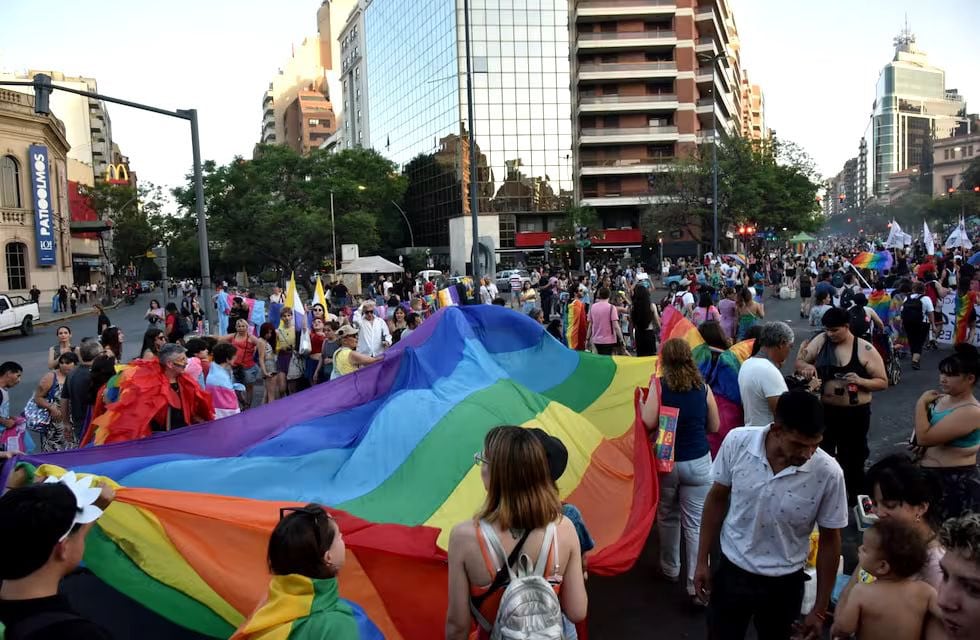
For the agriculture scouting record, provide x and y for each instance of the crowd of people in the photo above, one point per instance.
(752, 505)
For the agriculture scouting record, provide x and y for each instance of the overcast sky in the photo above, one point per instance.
(817, 63)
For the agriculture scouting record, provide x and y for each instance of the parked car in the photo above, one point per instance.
(674, 279)
(17, 312)
(503, 278)
(146, 286)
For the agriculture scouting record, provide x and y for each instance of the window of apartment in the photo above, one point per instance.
(660, 151)
(609, 89)
(607, 27)
(609, 58)
(590, 186)
(610, 122)
(656, 89)
(529, 224)
(948, 183)
(613, 186)
(314, 122)
(658, 122)
(15, 257)
(971, 149)
(945, 154)
(9, 183)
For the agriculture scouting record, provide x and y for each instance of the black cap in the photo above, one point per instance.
(835, 317)
(556, 452)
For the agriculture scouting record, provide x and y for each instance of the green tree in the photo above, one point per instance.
(578, 216)
(971, 177)
(770, 184)
(136, 214)
(274, 211)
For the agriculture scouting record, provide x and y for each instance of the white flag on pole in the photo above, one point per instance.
(896, 238)
(928, 239)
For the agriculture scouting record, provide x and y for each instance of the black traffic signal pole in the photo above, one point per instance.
(42, 90)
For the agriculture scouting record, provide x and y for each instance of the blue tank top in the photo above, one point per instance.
(691, 441)
(963, 442)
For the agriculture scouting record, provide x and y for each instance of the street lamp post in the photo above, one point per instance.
(411, 235)
(474, 193)
(714, 145)
(42, 90)
(333, 237)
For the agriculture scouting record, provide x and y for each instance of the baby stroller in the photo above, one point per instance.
(885, 344)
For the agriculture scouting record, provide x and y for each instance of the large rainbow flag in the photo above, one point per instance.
(390, 450)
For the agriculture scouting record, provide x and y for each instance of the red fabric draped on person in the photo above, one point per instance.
(146, 397)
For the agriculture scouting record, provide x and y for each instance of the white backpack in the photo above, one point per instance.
(529, 608)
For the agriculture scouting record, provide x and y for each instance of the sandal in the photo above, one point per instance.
(915, 365)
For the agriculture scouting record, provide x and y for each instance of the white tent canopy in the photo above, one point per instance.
(371, 264)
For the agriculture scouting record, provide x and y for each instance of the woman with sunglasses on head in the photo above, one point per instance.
(153, 339)
(520, 520)
(947, 427)
(306, 553)
(63, 346)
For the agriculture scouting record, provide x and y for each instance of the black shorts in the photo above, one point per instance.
(805, 292)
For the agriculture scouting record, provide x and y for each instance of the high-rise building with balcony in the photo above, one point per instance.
(652, 81)
(912, 108)
(310, 68)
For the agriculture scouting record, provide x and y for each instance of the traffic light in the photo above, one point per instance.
(42, 94)
(582, 237)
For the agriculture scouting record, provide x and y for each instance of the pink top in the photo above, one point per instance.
(702, 315)
(602, 317)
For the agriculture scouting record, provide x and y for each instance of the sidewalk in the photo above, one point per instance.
(52, 318)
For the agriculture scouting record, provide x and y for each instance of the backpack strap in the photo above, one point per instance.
(550, 535)
(504, 574)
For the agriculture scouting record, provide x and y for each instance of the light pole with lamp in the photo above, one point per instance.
(333, 229)
(411, 235)
(714, 144)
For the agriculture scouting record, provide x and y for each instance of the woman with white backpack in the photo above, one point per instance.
(517, 566)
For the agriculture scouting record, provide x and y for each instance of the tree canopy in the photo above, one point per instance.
(274, 211)
(769, 184)
(136, 215)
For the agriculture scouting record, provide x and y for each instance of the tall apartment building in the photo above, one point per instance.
(912, 108)
(652, 79)
(353, 130)
(862, 176)
(310, 69)
(522, 128)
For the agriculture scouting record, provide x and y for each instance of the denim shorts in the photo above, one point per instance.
(251, 375)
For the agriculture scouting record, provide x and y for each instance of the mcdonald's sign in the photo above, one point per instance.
(117, 174)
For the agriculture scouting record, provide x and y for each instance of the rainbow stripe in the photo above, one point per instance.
(880, 261)
(390, 450)
(576, 325)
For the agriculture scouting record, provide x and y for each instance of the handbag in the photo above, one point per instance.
(663, 447)
(305, 344)
(297, 367)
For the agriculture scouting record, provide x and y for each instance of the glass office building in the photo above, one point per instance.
(912, 107)
(417, 100)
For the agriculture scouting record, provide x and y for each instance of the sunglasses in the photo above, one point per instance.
(311, 512)
(479, 458)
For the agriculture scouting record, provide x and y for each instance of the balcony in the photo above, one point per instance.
(706, 18)
(615, 135)
(622, 198)
(624, 166)
(15, 217)
(589, 103)
(586, 9)
(707, 45)
(626, 70)
(626, 39)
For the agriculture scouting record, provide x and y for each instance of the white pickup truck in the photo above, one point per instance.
(18, 312)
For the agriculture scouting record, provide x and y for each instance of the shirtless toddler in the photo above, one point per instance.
(895, 605)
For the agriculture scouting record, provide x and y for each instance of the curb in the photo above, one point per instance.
(73, 316)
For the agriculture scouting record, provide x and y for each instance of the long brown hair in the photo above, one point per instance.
(521, 494)
(678, 366)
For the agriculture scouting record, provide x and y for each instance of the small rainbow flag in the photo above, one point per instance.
(962, 312)
(881, 302)
(879, 261)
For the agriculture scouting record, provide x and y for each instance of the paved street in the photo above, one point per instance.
(625, 606)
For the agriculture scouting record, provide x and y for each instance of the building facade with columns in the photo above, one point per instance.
(35, 239)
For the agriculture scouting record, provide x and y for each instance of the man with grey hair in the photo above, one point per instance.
(373, 336)
(760, 381)
(157, 396)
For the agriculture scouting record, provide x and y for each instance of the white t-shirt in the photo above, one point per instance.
(759, 379)
(770, 517)
(927, 307)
